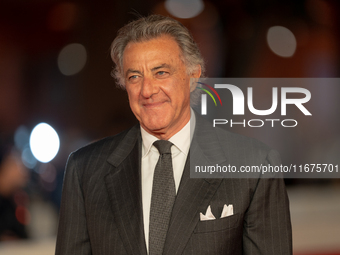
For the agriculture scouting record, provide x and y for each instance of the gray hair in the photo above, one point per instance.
(150, 27)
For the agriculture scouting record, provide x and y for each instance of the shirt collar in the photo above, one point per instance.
(181, 139)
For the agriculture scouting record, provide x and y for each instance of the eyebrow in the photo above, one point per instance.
(152, 69)
(132, 71)
(160, 66)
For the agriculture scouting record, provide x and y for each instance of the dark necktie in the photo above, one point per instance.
(162, 199)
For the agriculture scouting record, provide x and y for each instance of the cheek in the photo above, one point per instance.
(133, 101)
(132, 95)
(184, 91)
(180, 88)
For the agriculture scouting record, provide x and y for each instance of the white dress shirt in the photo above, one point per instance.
(150, 155)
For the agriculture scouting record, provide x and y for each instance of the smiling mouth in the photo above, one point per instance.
(153, 105)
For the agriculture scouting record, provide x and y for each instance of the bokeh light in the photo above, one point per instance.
(22, 215)
(72, 59)
(44, 142)
(184, 9)
(281, 41)
(21, 137)
(27, 158)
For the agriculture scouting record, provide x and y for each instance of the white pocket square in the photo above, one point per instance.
(227, 211)
(208, 215)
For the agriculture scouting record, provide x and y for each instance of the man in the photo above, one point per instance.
(112, 202)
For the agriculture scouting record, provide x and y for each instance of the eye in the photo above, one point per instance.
(162, 74)
(133, 77)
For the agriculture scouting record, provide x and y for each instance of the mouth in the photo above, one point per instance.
(153, 105)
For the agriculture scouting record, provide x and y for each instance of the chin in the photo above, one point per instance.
(155, 127)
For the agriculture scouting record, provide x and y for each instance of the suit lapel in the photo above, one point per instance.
(194, 195)
(124, 191)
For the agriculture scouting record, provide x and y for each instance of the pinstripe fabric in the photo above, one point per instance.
(101, 210)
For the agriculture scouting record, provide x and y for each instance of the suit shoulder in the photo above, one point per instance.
(240, 141)
(205, 129)
(226, 138)
(101, 147)
(252, 151)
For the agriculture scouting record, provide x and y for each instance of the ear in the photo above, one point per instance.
(195, 75)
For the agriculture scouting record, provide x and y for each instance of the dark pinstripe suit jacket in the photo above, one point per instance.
(101, 210)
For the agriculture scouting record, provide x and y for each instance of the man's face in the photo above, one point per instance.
(158, 85)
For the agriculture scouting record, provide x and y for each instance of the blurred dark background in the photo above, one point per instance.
(55, 68)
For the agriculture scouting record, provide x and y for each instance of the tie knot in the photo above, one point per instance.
(163, 146)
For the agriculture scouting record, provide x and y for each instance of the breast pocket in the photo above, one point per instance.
(218, 224)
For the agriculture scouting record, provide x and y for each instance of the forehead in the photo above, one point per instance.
(161, 48)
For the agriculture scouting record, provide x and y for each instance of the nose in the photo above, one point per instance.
(149, 87)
